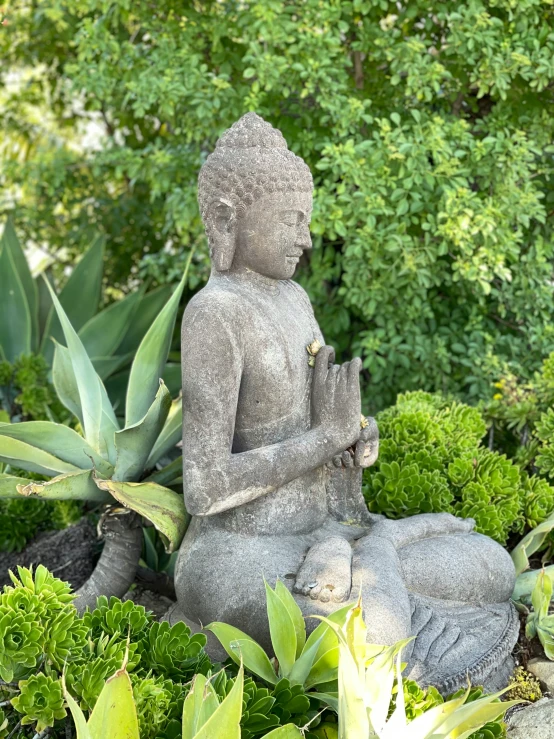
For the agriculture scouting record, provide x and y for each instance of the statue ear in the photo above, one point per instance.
(222, 234)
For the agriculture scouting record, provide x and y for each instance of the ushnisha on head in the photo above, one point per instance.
(255, 199)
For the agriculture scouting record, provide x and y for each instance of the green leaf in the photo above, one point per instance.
(324, 668)
(13, 246)
(303, 666)
(527, 581)
(8, 486)
(79, 297)
(71, 486)
(15, 323)
(224, 723)
(65, 384)
(27, 457)
(99, 421)
(107, 366)
(151, 356)
(60, 441)
(283, 634)
(114, 714)
(78, 716)
(134, 443)
(295, 613)
(530, 544)
(290, 731)
(168, 475)
(239, 645)
(169, 435)
(161, 506)
(44, 303)
(150, 305)
(193, 705)
(172, 376)
(103, 333)
(329, 639)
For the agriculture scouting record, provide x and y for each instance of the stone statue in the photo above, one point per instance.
(273, 450)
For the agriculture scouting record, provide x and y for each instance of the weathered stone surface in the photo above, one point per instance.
(544, 670)
(533, 722)
(273, 451)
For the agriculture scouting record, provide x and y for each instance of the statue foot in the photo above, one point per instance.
(326, 573)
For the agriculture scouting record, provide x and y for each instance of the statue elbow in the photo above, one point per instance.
(199, 492)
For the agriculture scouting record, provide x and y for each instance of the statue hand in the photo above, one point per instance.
(366, 451)
(336, 397)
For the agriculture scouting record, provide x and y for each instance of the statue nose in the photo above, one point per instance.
(303, 238)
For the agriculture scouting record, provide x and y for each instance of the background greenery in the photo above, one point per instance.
(426, 125)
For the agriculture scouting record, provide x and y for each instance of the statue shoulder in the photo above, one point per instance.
(213, 312)
(300, 294)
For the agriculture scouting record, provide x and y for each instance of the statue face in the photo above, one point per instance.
(273, 233)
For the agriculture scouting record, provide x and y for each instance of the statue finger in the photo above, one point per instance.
(321, 367)
(371, 431)
(347, 459)
(337, 460)
(359, 453)
(354, 369)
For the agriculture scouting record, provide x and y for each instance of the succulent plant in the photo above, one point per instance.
(40, 701)
(21, 640)
(431, 460)
(114, 616)
(158, 702)
(172, 652)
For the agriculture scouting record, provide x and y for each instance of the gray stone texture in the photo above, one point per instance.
(533, 722)
(544, 670)
(273, 450)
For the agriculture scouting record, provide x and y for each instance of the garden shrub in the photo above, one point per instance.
(426, 125)
(432, 459)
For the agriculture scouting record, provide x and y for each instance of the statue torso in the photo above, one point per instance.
(274, 396)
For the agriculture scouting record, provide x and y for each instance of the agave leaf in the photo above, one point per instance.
(9, 484)
(542, 595)
(106, 366)
(281, 628)
(329, 640)
(172, 376)
(169, 435)
(78, 716)
(168, 475)
(115, 714)
(193, 704)
(151, 356)
(44, 302)
(11, 243)
(71, 486)
(462, 719)
(103, 333)
(99, 421)
(134, 443)
(239, 645)
(530, 544)
(324, 668)
(79, 297)
(527, 581)
(60, 441)
(290, 731)
(331, 699)
(224, 723)
(27, 457)
(15, 323)
(65, 384)
(295, 613)
(303, 666)
(352, 708)
(164, 508)
(150, 305)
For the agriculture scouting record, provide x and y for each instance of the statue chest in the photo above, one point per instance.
(274, 398)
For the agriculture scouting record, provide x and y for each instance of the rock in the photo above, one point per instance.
(69, 554)
(544, 670)
(533, 722)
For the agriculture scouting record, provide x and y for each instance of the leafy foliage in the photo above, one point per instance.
(427, 128)
(25, 392)
(40, 701)
(524, 686)
(432, 459)
(21, 520)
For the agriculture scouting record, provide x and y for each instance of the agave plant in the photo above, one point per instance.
(302, 661)
(527, 579)
(29, 319)
(107, 464)
(366, 678)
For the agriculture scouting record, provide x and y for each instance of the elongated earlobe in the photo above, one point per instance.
(222, 234)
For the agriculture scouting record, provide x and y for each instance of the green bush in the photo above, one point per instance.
(432, 459)
(427, 126)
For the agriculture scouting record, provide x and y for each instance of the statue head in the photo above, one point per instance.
(255, 198)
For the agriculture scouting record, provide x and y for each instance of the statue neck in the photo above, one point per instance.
(248, 277)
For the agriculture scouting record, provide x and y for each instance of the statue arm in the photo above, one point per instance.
(215, 479)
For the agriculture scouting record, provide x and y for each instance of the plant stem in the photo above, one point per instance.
(116, 568)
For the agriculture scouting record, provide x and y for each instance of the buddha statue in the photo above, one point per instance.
(273, 451)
